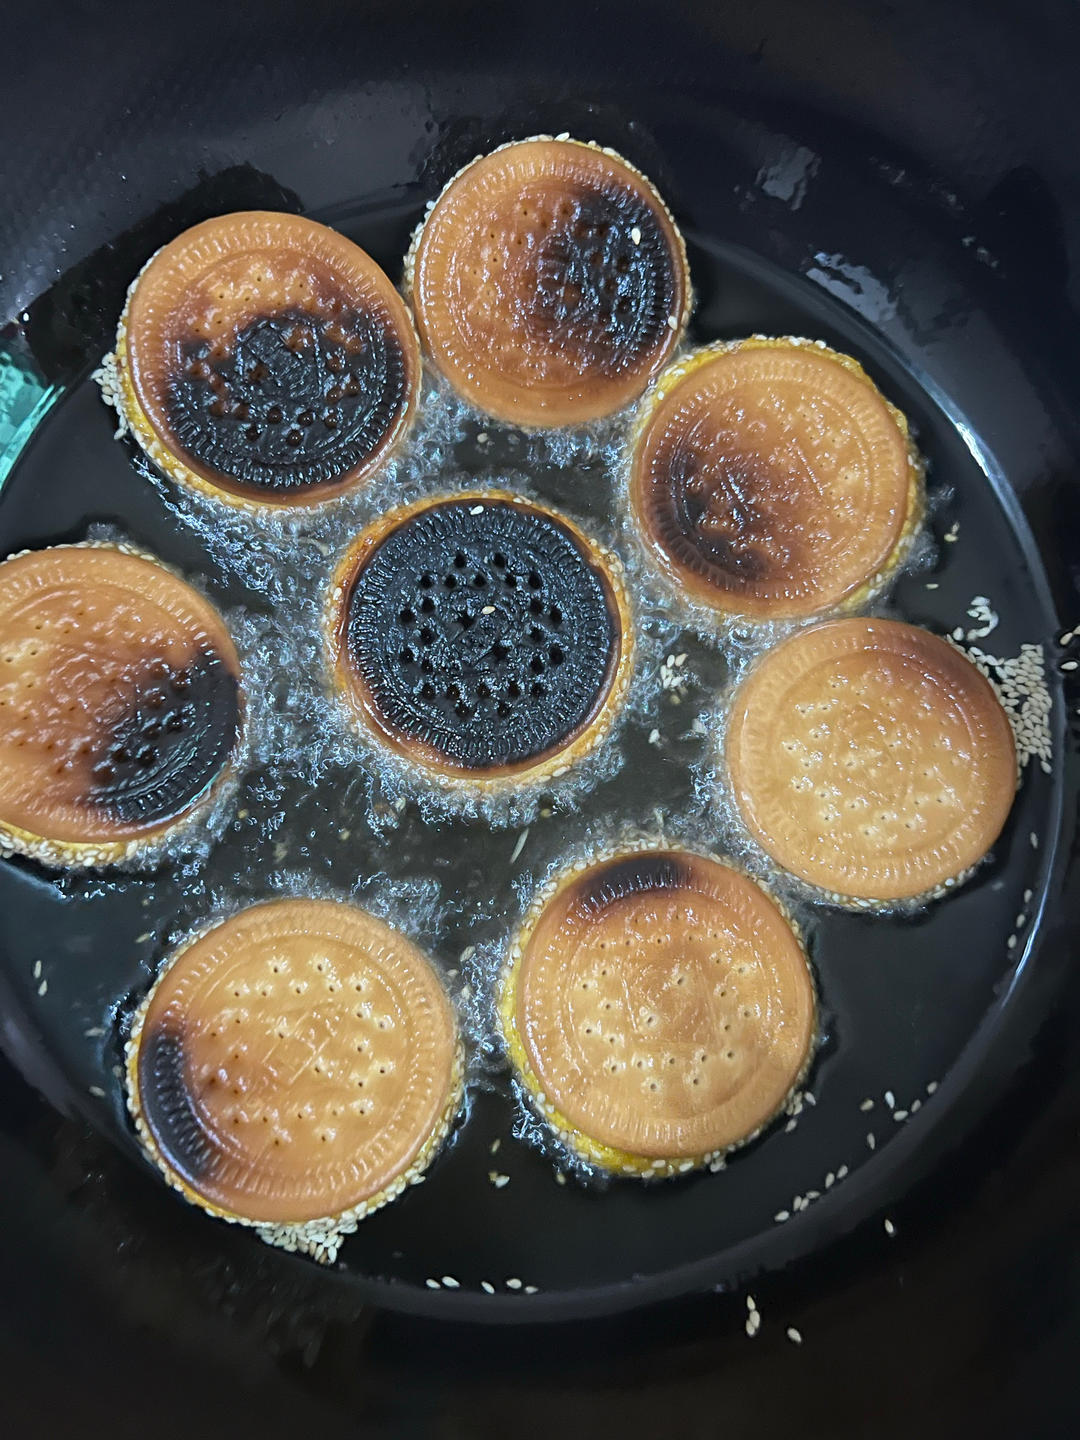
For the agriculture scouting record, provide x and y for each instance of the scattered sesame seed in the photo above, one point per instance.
(1034, 840)
(487, 610)
(931, 1087)
(482, 438)
(899, 1115)
(450, 1282)
(890, 1228)
(635, 235)
(494, 1146)
(654, 737)
(97, 1091)
(487, 1287)
(751, 1303)
(1027, 896)
(932, 585)
(830, 1180)
(513, 1284)
(1011, 942)
(144, 937)
(952, 534)
(916, 1105)
(344, 834)
(43, 987)
(531, 1289)
(499, 1181)
(794, 1335)
(987, 619)
(560, 1178)
(37, 969)
(94, 1032)
(432, 1284)
(1070, 665)
(476, 510)
(841, 1172)
(781, 1216)
(520, 844)
(673, 322)
(753, 1323)
(870, 1141)
(890, 1099)
(867, 1104)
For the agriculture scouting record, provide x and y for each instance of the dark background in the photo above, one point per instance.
(966, 114)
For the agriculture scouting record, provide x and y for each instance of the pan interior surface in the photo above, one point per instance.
(909, 1002)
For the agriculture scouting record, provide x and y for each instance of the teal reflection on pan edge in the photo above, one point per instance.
(25, 398)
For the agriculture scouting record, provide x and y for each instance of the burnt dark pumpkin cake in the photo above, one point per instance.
(294, 1068)
(771, 480)
(266, 360)
(120, 704)
(481, 636)
(549, 282)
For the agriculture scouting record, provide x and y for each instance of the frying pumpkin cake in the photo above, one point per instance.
(658, 1009)
(480, 636)
(770, 479)
(266, 360)
(294, 1068)
(120, 704)
(871, 759)
(549, 282)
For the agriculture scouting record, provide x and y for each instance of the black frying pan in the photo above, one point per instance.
(885, 182)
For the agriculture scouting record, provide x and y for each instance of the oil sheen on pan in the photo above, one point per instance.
(120, 692)
(549, 283)
(265, 359)
(480, 636)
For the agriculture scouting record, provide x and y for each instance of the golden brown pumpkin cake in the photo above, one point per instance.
(549, 282)
(480, 636)
(658, 1009)
(871, 758)
(120, 704)
(770, 479)
(266, 360)
(294, 1068)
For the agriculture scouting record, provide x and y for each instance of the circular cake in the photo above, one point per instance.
(481, 636)
(871, 758)
(266, 360)
(549, 282)
(294, 1068)
(771, 480)
(120, 704)
(658, 1009)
